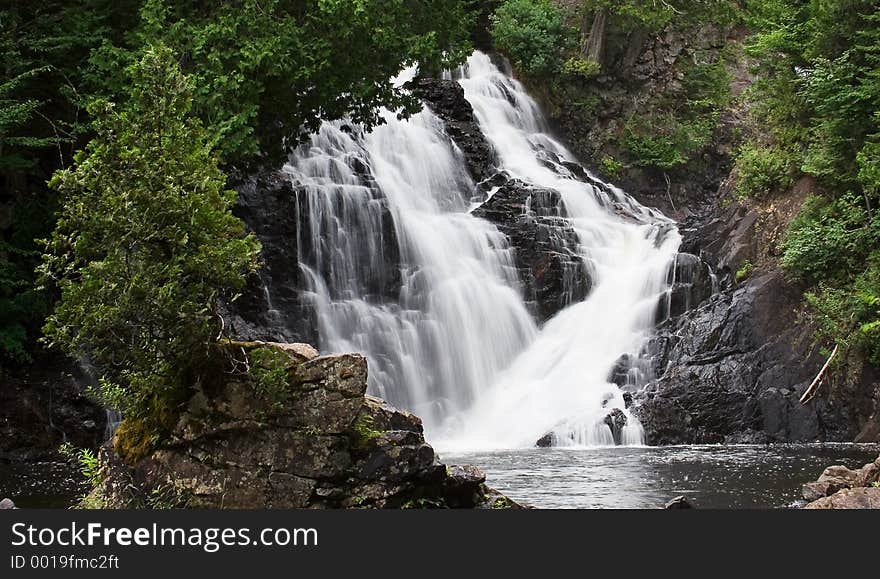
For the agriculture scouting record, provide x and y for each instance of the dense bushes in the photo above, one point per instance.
(43, 45)
(664, 141)
(532, 33)
(762, 170)
(816, 99)
(264, 71)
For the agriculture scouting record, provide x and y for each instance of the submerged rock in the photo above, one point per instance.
(314, 441)
(679, 502)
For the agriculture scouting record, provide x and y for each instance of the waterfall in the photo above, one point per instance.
(401, 270)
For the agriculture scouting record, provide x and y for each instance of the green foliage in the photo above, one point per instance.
(745, 271)
(364, 433)
(109, 395)
(677, 129)
(832, 244)
(581, 67)
(663, 140)
(86, 460)
(830, 239)
(533, 34)
(144, 242)
(269, 372)
(264, 71)
(611, 166)
(817, 94)
(22, 307)
(654, 16)
(762, 171)
(706, 86)
(424, 503)
(502, 503)
(42, 46)
(850, 315)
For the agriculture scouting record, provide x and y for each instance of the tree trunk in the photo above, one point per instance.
(593, 43)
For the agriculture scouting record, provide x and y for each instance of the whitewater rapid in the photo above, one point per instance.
(457, 344)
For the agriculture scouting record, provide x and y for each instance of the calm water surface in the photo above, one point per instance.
(727, 477)
(41, 484)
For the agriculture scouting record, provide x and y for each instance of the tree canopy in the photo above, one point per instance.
(145, 241)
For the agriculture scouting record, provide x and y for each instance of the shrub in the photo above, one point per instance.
(830, 239)
(532, 34)
(663, 141)
(611, 166)
(581, 67)
(762, 171)
(745, 271)
(144, 245)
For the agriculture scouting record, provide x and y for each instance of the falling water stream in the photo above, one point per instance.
(442, 320)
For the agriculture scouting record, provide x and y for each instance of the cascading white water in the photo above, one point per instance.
(560, 383)
(457, 345)
(459, 319)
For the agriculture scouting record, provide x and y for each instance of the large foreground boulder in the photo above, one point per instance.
(841, 488)
(297, 431)
(860, 498)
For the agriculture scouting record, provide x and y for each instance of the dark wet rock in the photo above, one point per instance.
(620, 372)
(690, 282)
(7, 504)
(679, 502)
(464, 486)
(858, 498)
(274, 305)
(319, 443)
(546, 253)
(545, 441)
(44, 404)
(616, 420)
(446, 99)
(732, 368)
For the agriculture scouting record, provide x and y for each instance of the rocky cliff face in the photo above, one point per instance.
(275, 305)
(299, 432)
(732, 368)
